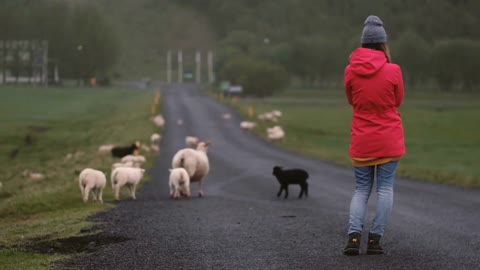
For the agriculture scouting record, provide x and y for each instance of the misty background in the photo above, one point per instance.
(435, 42)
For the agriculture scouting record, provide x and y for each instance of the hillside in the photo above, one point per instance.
(298, 34)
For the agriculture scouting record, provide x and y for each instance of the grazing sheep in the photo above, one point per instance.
(33, 176)
(145, 148)
(226, 116)
(195, 162)
(191, 141)
(179, 183)
(277, 113)
(291, 176)
(274, 129)
(246, 125)
(268, 116)
(103, 149)
(126, 176)
(155, 148)
(135, 159)
(179, 122)
(68, 157)
(129, 164)
(158, 121)
(92, 180)
(121, 151)
(155, 138)
(275, 134)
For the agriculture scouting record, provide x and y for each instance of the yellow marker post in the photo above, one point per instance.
(250, 111)
(153, 109)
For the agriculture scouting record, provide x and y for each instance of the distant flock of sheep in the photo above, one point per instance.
(275, 133)
(189, 164)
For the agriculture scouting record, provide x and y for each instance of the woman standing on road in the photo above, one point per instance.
(374, 87)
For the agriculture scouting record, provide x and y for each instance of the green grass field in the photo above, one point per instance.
(60, 121)
(442, 137)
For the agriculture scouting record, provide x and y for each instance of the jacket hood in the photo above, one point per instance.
(366, 62)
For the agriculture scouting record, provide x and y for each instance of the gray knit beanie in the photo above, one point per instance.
(373, 31)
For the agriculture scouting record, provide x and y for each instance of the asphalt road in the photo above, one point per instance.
(241, 224)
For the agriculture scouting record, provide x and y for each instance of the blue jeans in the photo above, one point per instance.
(364, 177)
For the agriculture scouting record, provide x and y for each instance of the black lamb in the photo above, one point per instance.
(291, 176)
(121, 151)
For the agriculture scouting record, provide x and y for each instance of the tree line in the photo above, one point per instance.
(81, 42)
(437, 43)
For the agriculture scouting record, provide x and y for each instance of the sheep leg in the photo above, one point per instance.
(134, 188)
(176, 194)
(280, 191)
(116, 191)
(172, 192)
(200, 191)
(94, 194)
(286, 191)
(306, 189)
(100, 195)
(86, 191)
(301, 191)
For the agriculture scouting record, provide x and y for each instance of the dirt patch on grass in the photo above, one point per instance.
(74, 244)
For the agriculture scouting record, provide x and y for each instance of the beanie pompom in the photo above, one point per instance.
(373, 31)
(373, 20)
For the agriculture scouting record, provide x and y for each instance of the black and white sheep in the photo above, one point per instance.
(291, 176)
(121, 151)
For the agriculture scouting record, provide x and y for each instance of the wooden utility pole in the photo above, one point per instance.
(210, 67)
(180, 66)
(45, 63)
(198, 62)
(169, 66)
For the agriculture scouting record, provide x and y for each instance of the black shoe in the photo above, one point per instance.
(353, 245)
(373, 247)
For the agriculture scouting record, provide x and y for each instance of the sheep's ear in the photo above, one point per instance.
(208, 143)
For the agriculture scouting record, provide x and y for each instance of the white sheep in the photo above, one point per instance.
(276, 135)
(179, 122)
(135, 159)
(179, 183)
(226, 116)
(158, 121)
(191, 141)
(105, 149)
(126, 176)
(155, 138)
(92, 180)
(268, 116)
(155, 148)
(32, 176)
(129, 164)
(195, 162)
(274, 129)
(247, 125)
(145, 148)
(277, 113)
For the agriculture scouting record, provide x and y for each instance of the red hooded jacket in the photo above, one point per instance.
(375, 90)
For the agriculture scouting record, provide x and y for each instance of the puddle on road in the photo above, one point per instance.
(74, 244)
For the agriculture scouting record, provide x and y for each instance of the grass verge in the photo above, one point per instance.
(442, 139)
(40, 127)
